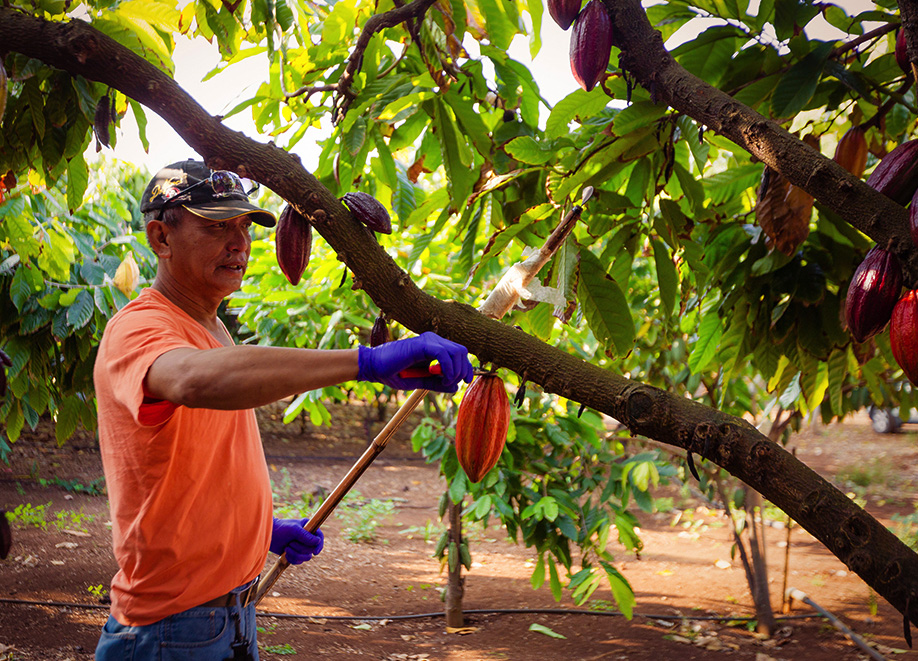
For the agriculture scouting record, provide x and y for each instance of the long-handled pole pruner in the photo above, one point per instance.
(502, 299)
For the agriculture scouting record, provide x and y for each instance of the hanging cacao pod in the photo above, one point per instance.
(369, 211)
(127, 275)
(896, 175)
(851, 152)
(564, 11)
(903, 334)
(902, 52)
(591, 44)
(873, 293)
(380, 333)
(293, 241)
(481, 425)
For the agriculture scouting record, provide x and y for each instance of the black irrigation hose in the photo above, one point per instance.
(474, 611)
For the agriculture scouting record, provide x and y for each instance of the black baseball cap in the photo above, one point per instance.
(217, 195)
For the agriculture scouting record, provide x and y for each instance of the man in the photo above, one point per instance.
(186, 475)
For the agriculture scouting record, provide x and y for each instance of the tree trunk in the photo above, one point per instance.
(756, 526)
(856, 538)
(454, 589)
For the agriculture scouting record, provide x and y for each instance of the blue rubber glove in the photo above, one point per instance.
(383, 363)
(289, 536)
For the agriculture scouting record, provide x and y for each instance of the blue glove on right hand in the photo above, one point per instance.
(383, 363)
(290, 537)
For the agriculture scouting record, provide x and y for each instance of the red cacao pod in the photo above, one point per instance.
(482, 425)
(851, 152)
(896, 175)
(564, 11)
(903, 334)
(369, 211)
(591, 44)
(873, 293)
(380, 333)
(902, 52)
(293, 240)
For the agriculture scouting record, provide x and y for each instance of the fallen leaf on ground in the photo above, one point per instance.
(76, 533)
(461, 630)
(538, 628)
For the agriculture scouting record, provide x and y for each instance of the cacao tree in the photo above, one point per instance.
(704, 286)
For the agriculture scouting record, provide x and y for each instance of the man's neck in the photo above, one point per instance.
(204, 312)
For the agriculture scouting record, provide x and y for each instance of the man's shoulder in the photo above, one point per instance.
(148, 306)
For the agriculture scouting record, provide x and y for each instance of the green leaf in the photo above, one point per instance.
(79, 314)
(539, 628)
(77, 182)
(797, 86)
(709, 333)
(527, 150)
(458, 487)
(579, 105)
(284, 14)
(140, 118)
(621, 589)
(638, 115)
(554, 580)
(667, 277)
(604, 304)
(538, 574)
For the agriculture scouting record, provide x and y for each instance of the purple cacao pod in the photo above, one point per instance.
(902, 52)
(380, 333)
(591, 44)
(293, 240)
(369, 211)
(564, 11)
(873, 293)
(896, 175)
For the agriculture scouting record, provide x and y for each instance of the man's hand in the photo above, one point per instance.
(383, 363)
(289, 536)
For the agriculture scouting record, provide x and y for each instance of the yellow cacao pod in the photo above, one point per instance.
(127, 275)
(851, 152)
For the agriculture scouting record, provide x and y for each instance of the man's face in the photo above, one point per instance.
(209, 257)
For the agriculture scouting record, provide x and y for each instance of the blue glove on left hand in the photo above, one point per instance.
(289, 536)
(383, 363)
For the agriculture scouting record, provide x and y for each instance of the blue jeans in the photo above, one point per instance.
(197, 634)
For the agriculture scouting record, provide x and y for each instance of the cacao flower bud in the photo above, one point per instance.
(896, 175)
(873, 293)
(902, 52)
(369, 211)
(127, 275)
(293, 241)
(851, 152)
(903, 334)
(380, 333)
(564, 11)
(481, 425)
(591, 44)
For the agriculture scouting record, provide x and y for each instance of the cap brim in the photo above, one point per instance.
(227, 209)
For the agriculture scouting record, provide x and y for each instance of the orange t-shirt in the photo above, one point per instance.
(189, 490)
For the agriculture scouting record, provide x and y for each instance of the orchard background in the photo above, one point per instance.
(674, 311)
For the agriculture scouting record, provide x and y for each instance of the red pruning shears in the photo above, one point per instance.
(420, 370)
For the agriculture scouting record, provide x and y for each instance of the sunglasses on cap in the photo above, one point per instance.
(223, 183)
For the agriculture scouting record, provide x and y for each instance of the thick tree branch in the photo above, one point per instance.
(859, 540)
(643, 55)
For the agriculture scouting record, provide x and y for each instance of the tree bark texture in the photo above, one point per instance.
(856, 538)
(454, 586)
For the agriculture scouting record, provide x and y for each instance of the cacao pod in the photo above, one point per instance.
(369, 211)
(902, 52)
(293, 241)
(591, 44)
(102, 120)
(903, 334)
(380, 333)
(564, 11)
(481, 425)
(851, 152)
(127, 275)
(913, 218)
(873, 293)
(896, 175)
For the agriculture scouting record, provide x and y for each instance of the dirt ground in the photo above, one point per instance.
(51, 584)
